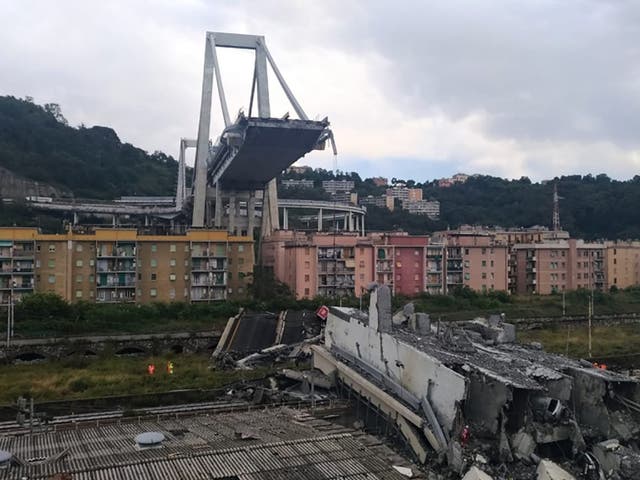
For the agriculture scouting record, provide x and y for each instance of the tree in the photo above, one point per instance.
(55, 111)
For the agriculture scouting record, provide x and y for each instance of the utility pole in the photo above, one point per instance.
(590, 311)
(564, 304)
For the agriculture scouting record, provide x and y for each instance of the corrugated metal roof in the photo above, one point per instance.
(278, 444)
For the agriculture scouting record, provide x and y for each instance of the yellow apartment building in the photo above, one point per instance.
(123, 265)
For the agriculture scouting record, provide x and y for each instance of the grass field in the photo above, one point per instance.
(607, 341)
(74, 378)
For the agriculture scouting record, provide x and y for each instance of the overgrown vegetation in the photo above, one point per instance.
(46, 314)
(592, 207)
(36, 142)
(79, 377)
(607, 341)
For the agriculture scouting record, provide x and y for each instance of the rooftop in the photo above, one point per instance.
(272, 444)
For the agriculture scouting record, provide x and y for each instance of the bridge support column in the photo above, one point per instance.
(285, 219)
(320, 220)
(251, 213)
(232, 214)
(217, 218)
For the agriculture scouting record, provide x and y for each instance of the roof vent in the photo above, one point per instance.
(5, 458)
(149, 440)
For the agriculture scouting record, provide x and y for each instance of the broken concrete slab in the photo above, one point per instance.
(523, 445)
(475, 473)
(420, 323)
(548, 470)
(405, 471)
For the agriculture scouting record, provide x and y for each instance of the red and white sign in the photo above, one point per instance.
(323, 312)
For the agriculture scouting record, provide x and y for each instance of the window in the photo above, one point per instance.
(484, 251)
(78, 278)
(172, 293)
(306, 292)
(484, 275)
(492, 263)
(186, 278)
(172, 248)
(172, 262)
(52, 263)
(615, 261)
(154, 292)
(172, 277)
(78, 293)
(154, 276)
(241, 261)
(52, 248)
(37, 263)
(240, 248)
(398, 277)
(79, 263)
(37, 248)
(416, 277)
(466, 264)
(186, 263)
(154, 247)
(306, 264)
(466, 251)
(306, 251)
(416, 252)
(154, 263)
(306, 277)
(361, 264)
(493, 276)
(91, 263)
(362, 276)
(579, 276)
(186, 248)
(78, 247)
(399, 264)
(51, 279)
(484, 263)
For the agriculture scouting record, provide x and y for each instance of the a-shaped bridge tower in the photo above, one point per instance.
(234, 177)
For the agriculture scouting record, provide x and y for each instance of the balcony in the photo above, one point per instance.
(119, 296)
(217, 265)
(116, 252)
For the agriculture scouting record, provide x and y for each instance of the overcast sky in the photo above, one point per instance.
(413, 89)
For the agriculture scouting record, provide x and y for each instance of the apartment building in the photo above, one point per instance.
(402, 193)
(476, 262)
(381, 201)
(320, 263)
(17, 264)
(291, 183)
(335, 186)
(556, 266)
(400, 262)
(123, 265)
(622, 264)
(430, 208)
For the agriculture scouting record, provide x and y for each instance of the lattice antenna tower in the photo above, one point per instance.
(556, 208)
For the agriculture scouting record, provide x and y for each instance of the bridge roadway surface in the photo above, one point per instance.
(253, 151)
(321, 204)
(136, 208)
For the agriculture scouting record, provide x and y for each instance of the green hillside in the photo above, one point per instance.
(37, 143)
(592, 207)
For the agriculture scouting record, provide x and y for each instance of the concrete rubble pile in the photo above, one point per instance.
(251, 339)
(472, 403)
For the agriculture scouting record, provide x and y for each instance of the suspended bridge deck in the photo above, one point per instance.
(252, 151)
